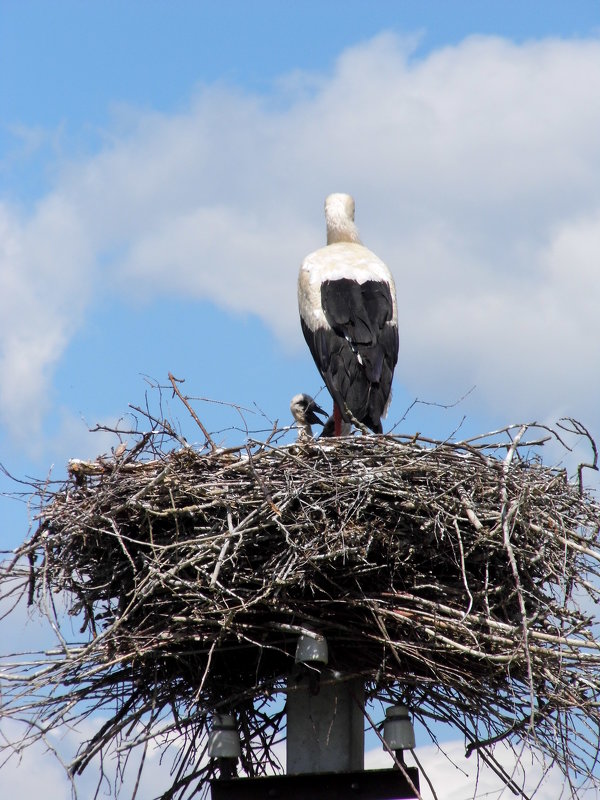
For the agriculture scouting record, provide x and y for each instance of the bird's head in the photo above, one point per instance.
(339, 216)
(305, 410)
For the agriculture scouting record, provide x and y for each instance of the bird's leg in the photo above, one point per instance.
(337, 420)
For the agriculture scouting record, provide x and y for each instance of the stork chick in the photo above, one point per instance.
(305, 410)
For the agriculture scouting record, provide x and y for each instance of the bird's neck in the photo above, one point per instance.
(305, 432)
(341, 229)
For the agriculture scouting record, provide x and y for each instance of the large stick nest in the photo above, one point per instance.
(458, 577)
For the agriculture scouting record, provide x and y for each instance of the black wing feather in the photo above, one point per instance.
(356, 356)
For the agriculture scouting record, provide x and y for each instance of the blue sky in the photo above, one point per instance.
(64, 66)
(162, 174)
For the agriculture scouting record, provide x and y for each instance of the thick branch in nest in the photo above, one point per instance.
(439, 572)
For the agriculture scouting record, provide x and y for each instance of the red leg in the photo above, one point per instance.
(337, 420)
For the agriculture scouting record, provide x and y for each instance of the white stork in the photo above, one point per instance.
(347, 302)
(304, 410)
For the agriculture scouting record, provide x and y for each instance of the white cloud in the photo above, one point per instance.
(44, 273)
(38, 770)
(455, 777)
(476, 173)
(33, 774)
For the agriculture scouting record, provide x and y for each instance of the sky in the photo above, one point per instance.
(163, 168)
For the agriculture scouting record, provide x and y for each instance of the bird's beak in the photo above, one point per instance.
(311, 414)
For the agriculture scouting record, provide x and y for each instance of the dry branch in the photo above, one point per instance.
(461, 581)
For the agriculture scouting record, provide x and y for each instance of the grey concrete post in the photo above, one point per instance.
(325, 731)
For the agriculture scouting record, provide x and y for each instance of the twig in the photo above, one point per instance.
(184, 400)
